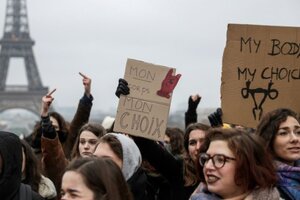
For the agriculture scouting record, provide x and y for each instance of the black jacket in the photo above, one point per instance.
(11, 153)
(165, 163)
(27, 194)
(138, 185)
(11, 168)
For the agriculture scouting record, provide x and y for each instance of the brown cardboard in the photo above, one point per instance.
(268, 57)
(143, 112)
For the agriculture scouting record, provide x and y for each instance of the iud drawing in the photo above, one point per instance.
(254, 92)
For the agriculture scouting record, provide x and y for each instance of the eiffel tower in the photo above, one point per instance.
(16, 43)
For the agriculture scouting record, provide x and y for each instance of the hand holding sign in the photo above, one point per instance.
(168, 84)
(143, 113)
(122, 88)
(46, 102)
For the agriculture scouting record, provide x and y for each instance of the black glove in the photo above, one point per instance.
(48, 130)
(122, 88)
(215, 119)
(193, 104)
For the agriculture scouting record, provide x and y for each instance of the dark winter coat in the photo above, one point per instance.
(11, 170)
(165, 163)
(138, 185)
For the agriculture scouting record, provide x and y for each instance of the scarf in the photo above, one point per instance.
(288, 180)
(202, 193)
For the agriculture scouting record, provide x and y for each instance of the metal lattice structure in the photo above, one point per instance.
(16, 43)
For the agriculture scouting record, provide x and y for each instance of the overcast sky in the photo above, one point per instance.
(96, 37)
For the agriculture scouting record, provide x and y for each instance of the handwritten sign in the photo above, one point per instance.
(261, 72)
(144, 112)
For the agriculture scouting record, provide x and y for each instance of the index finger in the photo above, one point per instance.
(198, 96)
(49, 94)
(84, 76)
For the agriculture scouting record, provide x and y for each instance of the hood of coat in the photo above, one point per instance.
(46, 188)
(132, 158)
(11, 154)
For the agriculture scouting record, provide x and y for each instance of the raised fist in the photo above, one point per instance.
(215, 118)
(194, 100)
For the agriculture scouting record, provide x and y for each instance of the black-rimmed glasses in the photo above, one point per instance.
(218, 160)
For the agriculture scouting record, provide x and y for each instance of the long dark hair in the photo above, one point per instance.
(63, 125)
(103, 177)
(32, 168)
(176, 140)
(37, 130)
(270, 123)
(191, 170)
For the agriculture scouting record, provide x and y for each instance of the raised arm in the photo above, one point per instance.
(158, 157)
(161, 159)
(53, 157)
(191, 113)
(81, 116)
(47, 128)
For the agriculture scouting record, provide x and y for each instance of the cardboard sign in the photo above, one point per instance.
(145, 111)
(261, 72)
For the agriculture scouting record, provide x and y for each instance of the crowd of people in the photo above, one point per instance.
(85, 161)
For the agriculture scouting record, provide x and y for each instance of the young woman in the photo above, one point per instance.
(55, 153)
(94, 179)
(124, 152)
(87, 140)
(235, 165)
(280, 130)
(88, 137)
(193, 140)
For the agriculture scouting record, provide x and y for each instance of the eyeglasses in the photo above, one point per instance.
(218, 160)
